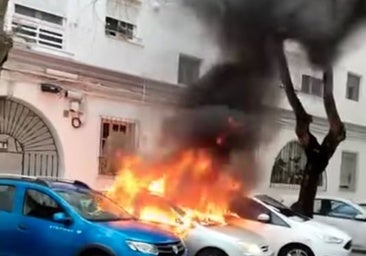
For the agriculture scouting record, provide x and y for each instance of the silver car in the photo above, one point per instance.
(212, 238)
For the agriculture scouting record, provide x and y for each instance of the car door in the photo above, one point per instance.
(342, 215)
(8, 234)
(275, 231)
(38, 233)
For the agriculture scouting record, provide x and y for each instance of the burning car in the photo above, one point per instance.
(203, 237)
(289, 233)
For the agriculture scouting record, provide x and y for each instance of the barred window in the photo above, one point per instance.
(117, 137)
(289, 166)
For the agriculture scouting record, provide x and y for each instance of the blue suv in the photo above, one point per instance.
(51, 217)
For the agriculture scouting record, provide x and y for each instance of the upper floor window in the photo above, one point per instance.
(353, 87)
(117, 137)
(312, 85)
(188, 69)
(40, 15)
(38, 27)
(119, 29)
(348, 171)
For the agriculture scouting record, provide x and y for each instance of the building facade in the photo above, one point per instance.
(86, 77)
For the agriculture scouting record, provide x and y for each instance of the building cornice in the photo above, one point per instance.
(109, 81)
(119, 85)
(320, 125)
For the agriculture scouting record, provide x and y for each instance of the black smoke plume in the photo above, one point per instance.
(227, 109)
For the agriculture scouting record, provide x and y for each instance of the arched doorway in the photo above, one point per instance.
(289, 165)
(27, 146)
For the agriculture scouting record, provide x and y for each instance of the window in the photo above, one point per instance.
(353, 87)
(348, 171)
(118, 28)
(312, 85)
(40, 15)
(336, 209)
(7, 194)
(117, 137)
(39, 205)
(289, 167)
(94, 206)
(4, 145)
(38, 27)
(248, 209)
(188, 69)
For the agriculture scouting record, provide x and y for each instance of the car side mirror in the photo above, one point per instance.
(263, 218)
(61, 218)
(360, 217)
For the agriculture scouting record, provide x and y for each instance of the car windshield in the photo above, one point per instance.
(284, 210)
(94, 206)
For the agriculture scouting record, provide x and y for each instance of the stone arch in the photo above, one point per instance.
(288, 168)
(27, 143)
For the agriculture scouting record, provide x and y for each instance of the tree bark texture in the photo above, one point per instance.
(5, 40)
(318, 155)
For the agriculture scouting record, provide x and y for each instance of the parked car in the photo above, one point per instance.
(289, 233)
(53, 217)
(345, 215)
(363, 205)
(210, 238)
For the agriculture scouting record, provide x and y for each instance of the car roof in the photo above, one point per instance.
(51, 182)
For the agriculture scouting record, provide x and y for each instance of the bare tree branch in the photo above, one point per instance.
(335, 123)
(303, 119)
(5, 40)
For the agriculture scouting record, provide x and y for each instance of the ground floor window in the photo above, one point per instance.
(289, 166)
(118, 137)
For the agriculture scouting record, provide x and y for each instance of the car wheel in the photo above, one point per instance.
(211, 252)
(296, 250)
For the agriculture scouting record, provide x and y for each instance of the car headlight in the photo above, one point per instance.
(332, 239)
(249, 249)
(143, 247)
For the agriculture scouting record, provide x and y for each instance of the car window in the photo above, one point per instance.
(334, 208)
(344, 210)
(249, 209)
(363, 206)
(39, 205)
(94, 206)
(7, 195)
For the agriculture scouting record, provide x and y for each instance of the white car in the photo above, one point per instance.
(363, 205)
(211, 238)
(288, 233)
(345, 215)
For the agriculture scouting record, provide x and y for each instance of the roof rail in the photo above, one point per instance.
(75, 182)
(23, 177)
(16, 176)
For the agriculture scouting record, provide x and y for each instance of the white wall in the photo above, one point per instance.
(286, 134)
(79, 148)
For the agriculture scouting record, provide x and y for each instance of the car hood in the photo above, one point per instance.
(141, 231)
(314, 227)
(235, 233)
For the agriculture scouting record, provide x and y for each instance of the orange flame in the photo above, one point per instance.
(191, 181)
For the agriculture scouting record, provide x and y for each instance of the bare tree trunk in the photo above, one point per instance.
(318, 155)
(5, 40)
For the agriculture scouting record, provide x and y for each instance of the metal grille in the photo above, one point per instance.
(34, 31)
(29, 147)
(265, 248)
(289, 166)
(173, 249)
